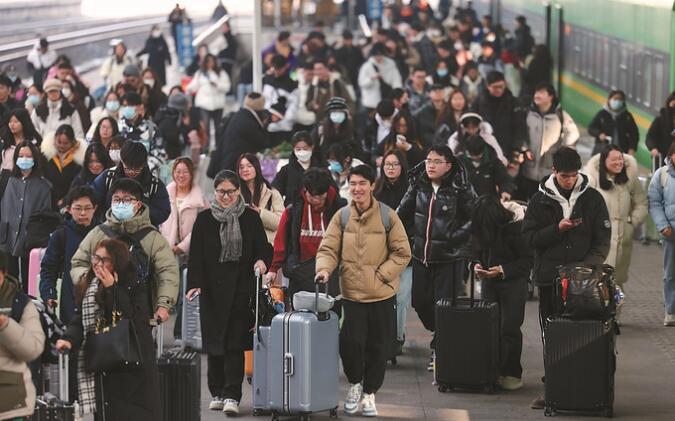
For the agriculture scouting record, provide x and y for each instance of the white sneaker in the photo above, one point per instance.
(353, 398)
(669, 320)
(368, 408)
(230, 407)
(216, 403)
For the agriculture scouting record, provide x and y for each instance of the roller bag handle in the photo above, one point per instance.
(472, 286)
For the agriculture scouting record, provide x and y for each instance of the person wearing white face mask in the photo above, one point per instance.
(336, 127)
(158, 54)
(135, 127)
(615, 125)
(288, 180)
(109, 108)
(26, 193)
(55, 110)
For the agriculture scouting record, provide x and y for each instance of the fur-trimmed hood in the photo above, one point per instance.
(48, 148)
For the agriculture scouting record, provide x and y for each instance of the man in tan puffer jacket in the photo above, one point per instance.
(20, 343)
(371, 250)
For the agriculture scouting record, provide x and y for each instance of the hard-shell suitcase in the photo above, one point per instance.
(179, 382)
(34, 260)
(303, 363)
(191, 326)
(579, 363)
(467, 343)
(51, 408)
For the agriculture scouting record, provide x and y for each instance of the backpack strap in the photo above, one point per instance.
(663, 176)
(110, 177)
(108, 231)
(154, 186)
(345, 213)
(18, 306)
(139, 235)
(385, 216)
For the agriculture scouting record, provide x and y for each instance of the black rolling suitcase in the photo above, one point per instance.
(467, 343)
(179, 382)
(579, 362)
(51, 408)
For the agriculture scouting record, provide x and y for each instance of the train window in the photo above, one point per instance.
(660, 83)
(597, 57)
(585, 53)
(614, 67)
(639, 77)
(623, 69)
(605, 62)
(576, 41)
(647, 80)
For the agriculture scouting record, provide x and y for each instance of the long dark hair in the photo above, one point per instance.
(382, 179)
(36, 171)
(304, 136)
(42, 110)
(29, 131)
(103, 156)
(96, 138)
(259, 180)
(122, 266)
(411, 132)
(488, 217)
(620, 178)
(202, 65)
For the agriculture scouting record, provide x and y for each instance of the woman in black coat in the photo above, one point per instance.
(615, 125)
(505, 264)
(113, 283)
(392, 183)
(158, 54)
(288, 180)
(223, 258)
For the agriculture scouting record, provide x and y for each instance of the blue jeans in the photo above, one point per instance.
(669, 276)
(402, 302)
(242, 91)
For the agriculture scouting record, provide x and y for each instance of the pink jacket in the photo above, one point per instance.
(183, 217)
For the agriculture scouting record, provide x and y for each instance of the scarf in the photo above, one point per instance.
(68, 157)
(86, 380)
(230, 232)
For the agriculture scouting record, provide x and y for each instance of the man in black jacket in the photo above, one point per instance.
(246, 132)
(497, 105)
(566, 223)
(484, 170)
(436, 211)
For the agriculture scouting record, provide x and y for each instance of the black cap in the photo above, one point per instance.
(347, 34)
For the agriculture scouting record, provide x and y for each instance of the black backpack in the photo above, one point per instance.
(40, 226)
(154, 183)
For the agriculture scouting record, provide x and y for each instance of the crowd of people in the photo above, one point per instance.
(438, 141)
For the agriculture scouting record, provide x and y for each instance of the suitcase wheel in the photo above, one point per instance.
(257, 412)
(607, 413)
(393, 361)
(548, 411)
(275, 416)
(249, 379)
(334, 413)
(305, 417)
(489, 389)
(443, 388)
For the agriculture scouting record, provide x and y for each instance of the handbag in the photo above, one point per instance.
(114, 347)
(585, 293)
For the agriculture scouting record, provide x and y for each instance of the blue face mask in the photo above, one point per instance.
(337, 117)
(615, 104)
(112, 106)
(128, 112)
(146, 144)
(335, 166)
(442, 72)
(25, 164)
(123, 211)
(34, 100)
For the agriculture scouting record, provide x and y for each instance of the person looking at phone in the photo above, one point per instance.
(566, 222)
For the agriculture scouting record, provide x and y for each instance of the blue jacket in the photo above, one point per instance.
(158, 203)
(63, 244)
(661, 197)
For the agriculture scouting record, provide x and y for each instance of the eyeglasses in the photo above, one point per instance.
(96, 259)
(123, 200)
(129, 170)
(181, 172)
(392, 165)
(434, 162)
(79, 209)
(228, 193)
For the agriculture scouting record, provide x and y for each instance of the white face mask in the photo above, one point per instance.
(115, 155)
(66, 92)
(156, 34)
(303, 155)
(149, 82)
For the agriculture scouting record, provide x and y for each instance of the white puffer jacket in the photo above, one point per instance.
(210, 89)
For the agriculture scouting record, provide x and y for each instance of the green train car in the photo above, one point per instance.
(599, 45)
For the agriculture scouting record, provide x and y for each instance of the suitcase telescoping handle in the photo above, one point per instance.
(160, 337)
(258, 285)
(657, 161)
(63, 376)
(317, 287)
(472, 286)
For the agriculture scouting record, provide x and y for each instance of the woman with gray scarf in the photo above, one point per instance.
(228, 244)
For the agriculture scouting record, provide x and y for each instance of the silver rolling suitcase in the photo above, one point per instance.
(303, 363)
(191, 326)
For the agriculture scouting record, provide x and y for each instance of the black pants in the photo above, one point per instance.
(511, 294)
(430, 284)
(225, 373)
(366, 340)
(18, 268)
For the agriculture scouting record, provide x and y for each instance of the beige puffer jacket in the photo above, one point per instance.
(20, 343)
(370, 260)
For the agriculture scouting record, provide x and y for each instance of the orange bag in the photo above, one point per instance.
(248, 364)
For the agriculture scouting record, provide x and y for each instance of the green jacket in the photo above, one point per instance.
(162, 260)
